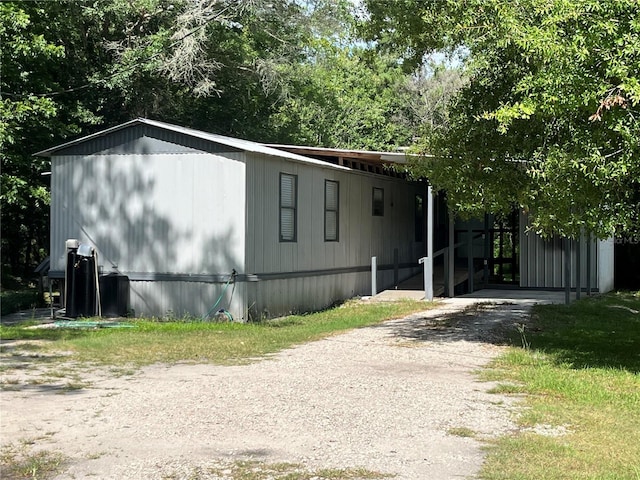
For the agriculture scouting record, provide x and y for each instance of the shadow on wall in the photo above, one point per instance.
(144, 222)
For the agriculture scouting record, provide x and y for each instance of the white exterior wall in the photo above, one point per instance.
(147, 214)
(177, 299)
(606, 265)
(361, 236)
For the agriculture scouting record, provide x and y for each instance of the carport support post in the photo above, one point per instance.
(588, 264)
(428, 260)
(487, 246)
(428, 278)
(470, 258)
(567, 271)
(451, 257)
(578, 267)
(374, 276)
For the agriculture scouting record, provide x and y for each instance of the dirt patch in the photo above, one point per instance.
(389, 400)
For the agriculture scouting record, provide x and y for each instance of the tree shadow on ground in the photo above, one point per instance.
(599, 332)
(486, 322)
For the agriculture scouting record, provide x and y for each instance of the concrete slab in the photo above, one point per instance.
(514, 296)
(519, 296)
(395, 295)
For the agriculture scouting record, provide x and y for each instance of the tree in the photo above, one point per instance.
(25, 54)
(346, 97)
(265, 70)
(549, 119)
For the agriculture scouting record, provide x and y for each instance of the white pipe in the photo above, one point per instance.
(95, 261)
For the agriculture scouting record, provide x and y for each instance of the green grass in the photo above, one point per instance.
(581, 377)
(223, 343)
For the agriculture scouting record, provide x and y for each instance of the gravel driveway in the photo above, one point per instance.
(400, 398)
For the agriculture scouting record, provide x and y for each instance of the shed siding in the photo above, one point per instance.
(161, 213)
(361, 235)
(542, 261)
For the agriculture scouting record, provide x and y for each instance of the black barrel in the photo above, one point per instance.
(114, 295)
(81, 286)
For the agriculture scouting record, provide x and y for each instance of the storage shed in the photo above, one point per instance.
(198, 221)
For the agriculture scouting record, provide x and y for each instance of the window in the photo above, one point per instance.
(331, 210)
(419, 220)
(378, 202)
(288, 207)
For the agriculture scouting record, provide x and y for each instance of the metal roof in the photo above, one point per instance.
(237, 143)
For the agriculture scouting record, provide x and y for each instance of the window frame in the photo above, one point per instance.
(377, 212)
(327, 210)
(282, 208)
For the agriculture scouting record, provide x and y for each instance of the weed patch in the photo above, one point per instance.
(22, 461)
(245, 470)
(461, 432)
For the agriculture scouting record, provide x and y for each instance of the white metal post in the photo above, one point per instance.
(567, 271)
(428, 278)
(589, 264)
(374, 276)
(428, 269)
(579, 266)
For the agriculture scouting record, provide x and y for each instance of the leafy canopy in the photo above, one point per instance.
(549, 121)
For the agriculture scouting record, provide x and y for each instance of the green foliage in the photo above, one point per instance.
(15, 300)
(24, 54)
(345, 97)
(549, 119)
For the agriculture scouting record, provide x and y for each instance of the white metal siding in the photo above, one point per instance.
(606, 265)
(163, 213)
(361, 235)
(192, 299)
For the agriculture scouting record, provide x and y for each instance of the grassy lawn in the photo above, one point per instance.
(581, 377)
(223, 343)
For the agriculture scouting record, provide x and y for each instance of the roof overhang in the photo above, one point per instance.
(338, 153)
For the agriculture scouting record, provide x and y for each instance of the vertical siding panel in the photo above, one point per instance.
(543, 262)
(308, 203)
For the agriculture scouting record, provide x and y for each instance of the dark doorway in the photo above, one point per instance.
(627, 264)
(503, 249)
